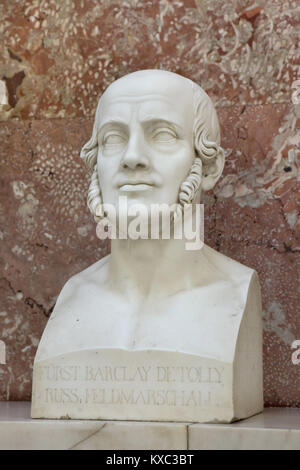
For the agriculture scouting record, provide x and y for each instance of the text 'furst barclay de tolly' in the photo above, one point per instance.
(178, 374)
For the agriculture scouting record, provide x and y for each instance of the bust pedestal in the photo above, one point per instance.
(206, 366)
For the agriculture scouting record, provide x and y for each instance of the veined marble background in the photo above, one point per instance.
(56, 58)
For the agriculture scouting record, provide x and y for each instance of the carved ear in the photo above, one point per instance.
(211, 172)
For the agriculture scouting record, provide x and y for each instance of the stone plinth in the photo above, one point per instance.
(275, 428)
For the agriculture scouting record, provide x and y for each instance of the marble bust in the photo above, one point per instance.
(153, 331)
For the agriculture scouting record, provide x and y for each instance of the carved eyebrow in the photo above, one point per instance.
(148, 121)
(112, 122)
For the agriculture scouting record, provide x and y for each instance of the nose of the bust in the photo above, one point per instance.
(135, 155)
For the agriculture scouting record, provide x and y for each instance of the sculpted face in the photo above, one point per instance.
(145, 138)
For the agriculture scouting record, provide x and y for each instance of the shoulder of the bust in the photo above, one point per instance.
(88, 273)
(243, 280)
(231, 269)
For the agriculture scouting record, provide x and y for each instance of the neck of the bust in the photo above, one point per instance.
(149, 267)
(145, 267)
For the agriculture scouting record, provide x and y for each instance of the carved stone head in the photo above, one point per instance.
(156, 139)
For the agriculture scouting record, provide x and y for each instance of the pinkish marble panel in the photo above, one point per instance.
(58, 56)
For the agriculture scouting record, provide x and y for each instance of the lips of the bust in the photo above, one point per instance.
(132, 187)
(135, 184)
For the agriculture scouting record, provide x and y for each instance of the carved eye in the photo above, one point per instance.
(164, 135)
(113, 138)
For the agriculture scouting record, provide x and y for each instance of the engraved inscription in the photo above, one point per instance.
(115, 396)
(179, 374)
(147, 385)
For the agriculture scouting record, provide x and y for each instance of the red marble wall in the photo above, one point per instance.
(56, 58)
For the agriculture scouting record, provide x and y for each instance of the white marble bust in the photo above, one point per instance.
(161, 332)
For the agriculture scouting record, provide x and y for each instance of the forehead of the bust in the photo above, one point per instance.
(149, 82)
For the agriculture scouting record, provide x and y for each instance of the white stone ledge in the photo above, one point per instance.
(275, 428)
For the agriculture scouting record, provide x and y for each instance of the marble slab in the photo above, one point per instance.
(275, 428)
(19, 432)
